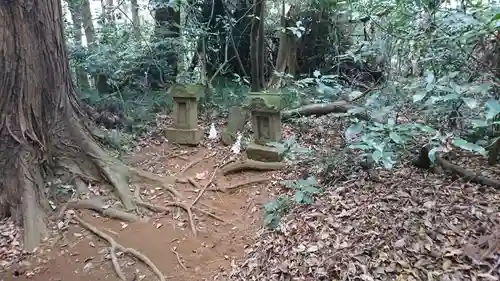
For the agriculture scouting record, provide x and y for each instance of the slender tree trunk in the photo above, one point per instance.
(134, 8)
(167, 27)
(42, 128)
(82, 79)
(100, 80)
(257, 52)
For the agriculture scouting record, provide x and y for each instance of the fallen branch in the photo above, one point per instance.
(238, 185)
(249, 164)
(320, 109)
(117, 246)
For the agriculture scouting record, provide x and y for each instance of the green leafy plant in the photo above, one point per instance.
(290, 149)
(304, 189)
(274, 210)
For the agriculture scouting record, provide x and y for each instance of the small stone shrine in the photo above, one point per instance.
(185, 114)
(265, 109)
(235, 123)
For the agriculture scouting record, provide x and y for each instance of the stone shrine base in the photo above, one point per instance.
(263, 153)
(184, 136)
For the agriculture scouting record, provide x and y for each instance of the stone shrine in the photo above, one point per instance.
(265, 109)
(185, 114)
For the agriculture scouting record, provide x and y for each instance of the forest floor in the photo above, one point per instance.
(166, 239)
(399, 224)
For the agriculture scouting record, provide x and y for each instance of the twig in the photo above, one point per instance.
(238, 185)
(117, 246)
(204, 188)
(178, 258)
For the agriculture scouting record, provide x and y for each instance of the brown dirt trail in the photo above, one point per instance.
(166, 239)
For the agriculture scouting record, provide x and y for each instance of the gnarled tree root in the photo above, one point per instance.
(249, 164)
(186, 207)
(466, 174)
(116, 246)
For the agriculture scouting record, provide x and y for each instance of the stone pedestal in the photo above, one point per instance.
(265, 109)
(185, 114)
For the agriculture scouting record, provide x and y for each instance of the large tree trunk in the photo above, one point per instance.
(82, 79)
(41, 126)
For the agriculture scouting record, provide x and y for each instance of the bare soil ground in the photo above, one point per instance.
(167, 239)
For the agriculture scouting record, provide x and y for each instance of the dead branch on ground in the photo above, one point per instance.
(117, 246)
(321, 109)
(249, 164)
(425, 163)
(466, 174)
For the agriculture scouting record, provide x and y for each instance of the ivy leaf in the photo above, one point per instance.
(463, 144)
(299, 196)
(470, 102)
(492, 108)
(395, 137)
(271, 207)
(388, 161)
(272, 221)
(353, 131)
(478, 123)
(432, 154)
(377, 155)
(419, 96)
(359, 146)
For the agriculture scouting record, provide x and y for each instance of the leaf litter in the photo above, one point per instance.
(406, 225)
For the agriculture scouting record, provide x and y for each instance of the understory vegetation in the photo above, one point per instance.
(402, 75)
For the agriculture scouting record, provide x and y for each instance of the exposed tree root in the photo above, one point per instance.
(194, 162)
(98, 205)
(249, 164)
(167, 183)
(116, 246)
(466, 174)
(164, 209)
(238, 185)
(321, 109)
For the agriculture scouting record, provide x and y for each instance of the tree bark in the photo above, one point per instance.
(82, 79)
(42, 129)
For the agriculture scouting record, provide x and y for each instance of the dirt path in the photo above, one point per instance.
(166, 239)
